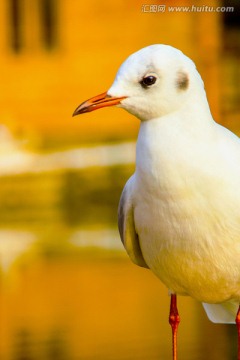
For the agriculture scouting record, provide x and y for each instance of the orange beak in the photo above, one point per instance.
(98, 102)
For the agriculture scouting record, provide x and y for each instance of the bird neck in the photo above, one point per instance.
(165, 144)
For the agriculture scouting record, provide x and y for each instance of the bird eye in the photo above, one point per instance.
(148, 81)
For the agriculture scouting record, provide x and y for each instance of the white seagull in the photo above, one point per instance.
(179, 213)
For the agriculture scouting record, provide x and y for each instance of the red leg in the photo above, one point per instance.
(238, 330)
(174, 320)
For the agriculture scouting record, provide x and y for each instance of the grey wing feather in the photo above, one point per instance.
(127, 229)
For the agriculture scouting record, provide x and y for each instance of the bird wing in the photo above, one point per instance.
(224, 313)
(126, 226)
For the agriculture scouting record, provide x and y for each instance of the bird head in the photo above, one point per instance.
(151, 83)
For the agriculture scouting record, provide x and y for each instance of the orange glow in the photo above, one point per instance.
(41, 86)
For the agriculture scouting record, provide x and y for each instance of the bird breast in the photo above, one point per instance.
(187, 219)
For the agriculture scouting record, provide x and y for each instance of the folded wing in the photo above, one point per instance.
(126, 226)
(222, 313)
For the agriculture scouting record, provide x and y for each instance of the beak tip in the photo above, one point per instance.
(74, 113)
(79, 110)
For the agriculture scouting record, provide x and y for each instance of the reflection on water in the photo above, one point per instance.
(100, 306)
(52, 348)
(73, 293)
(71, 195)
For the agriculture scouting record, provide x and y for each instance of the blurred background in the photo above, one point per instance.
(68, 290)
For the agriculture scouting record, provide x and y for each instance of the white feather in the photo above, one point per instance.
(186, 188)
(222, 313)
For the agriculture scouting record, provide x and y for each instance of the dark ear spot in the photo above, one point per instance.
(182, 80)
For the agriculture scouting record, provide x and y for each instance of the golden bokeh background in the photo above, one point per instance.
(68, 290)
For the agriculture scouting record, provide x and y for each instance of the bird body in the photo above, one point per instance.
(189, 235)
(179, 214)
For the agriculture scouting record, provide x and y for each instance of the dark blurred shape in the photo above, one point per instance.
(48, 23)
(93, 195)
(56, 347)
(231, 27)
(21, 15)
(230, 72)
(23, 346)
(15, 21)
(232, 18)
